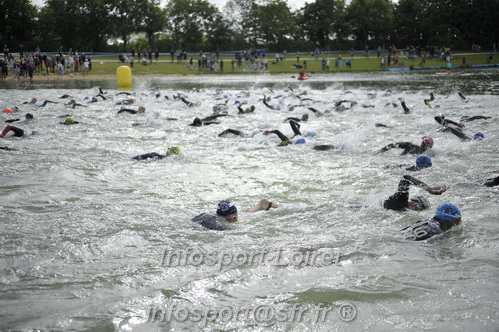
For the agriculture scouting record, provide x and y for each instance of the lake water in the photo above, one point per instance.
(89, 236)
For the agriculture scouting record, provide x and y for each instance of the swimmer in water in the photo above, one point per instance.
(325, 147)
(18, 132)
(125, 93)
(197, 122)
(95, 100)
(46, 102)
(266, 102)
(185, 101)
(27, 118)
(473, 118)
(303, 75)
(284, 139)
(69, 121)
(316, 111)
(228, 132)
(174, 150)
(100, 91)
(72, 103)
(410, 148)
(142, 109)
(5, 148)
(492, 182)
(129, 101)
(447, 215)
(304, 118)
(226, 214)
(456, 129)
(422, 161)
(263, 205)
(463, 98)
(247, 110)
(32, 101)
(427, 101)
(400, 200)
(404, 106)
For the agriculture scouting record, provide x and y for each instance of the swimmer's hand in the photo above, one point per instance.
(437, 190)
(266, 132)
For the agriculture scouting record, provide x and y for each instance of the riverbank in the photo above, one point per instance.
(104, 67)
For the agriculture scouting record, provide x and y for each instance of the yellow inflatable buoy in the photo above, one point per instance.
(124, 78)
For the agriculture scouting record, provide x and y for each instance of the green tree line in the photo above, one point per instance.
(193, 25)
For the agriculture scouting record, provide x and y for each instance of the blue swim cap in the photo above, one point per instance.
(225, 208)
(311, 134)
(423, 161)
(301, 141)
(479, 136)
(237, 102)
(447, 212)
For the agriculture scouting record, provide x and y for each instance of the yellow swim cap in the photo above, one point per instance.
(173, 150)
(69, 120)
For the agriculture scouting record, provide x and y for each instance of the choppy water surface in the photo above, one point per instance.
(84, 228)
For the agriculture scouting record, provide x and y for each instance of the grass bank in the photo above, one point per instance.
(106, 66)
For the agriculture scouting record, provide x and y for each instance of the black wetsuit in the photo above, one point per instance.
(266, 104)
(148, 155)
(324, 147)
(423, 230)
(473, 118)
(284, 139)
(198, 123)
(414, 168)
(406, 109)
(68, 124)
(210, 221)
(247, 110)
(128, 110)
(462, 136)
(316, 111)
(409, 148)
(400, 200)
(6, 148)
(445, 123)
(18, 132)
(188, 103)
(212, 117)
(46, 102)
(232, 131)
(492, 182)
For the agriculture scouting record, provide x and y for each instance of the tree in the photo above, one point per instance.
(477, 21)
(16, 22)
(276, 23)
(245, 14)
(371, 21)
(323, 22)
(411, 22)
(219, 35)
(127, 17)
(77, 24)
(153, 20)
(188, 21)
